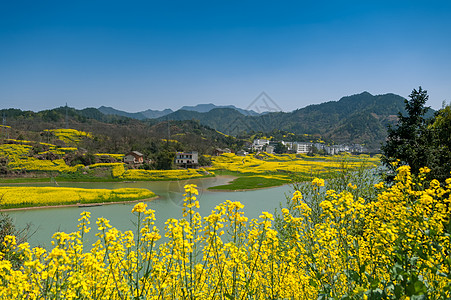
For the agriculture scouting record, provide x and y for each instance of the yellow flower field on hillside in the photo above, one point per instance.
(115, 156)
(165, 174)
(34, 164)
(70, 136)
(281, 166)
(12, 197)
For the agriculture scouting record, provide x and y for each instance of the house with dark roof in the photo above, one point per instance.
(134, 157)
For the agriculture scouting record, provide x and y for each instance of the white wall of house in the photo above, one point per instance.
(129, 159)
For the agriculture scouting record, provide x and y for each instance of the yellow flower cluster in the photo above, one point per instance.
(170, 141)
(18, 158)
(116, 156)
(34, 164)
(12, 151)
(70, 136)
(14, 197)
(107, 165)
(395, 247)
(288, 163)
(139, 174)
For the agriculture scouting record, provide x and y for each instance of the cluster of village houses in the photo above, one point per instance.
(304, 147)
(182, 159)
(191, 159)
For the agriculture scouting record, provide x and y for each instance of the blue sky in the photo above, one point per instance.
(137, 55)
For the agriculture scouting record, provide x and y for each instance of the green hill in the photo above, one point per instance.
(361, 118)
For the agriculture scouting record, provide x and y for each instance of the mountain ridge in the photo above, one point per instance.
(359, 118)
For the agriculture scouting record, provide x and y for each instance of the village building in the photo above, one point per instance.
(300, 147)
(270, 149)
(187, 159)
(134, 157)
(242, 153)
(219, 151)
(258, 144)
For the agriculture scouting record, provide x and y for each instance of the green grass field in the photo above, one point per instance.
(250, 182)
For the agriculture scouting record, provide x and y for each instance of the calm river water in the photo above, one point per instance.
(168, 205)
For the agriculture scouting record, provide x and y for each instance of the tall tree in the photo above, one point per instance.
(408, 142)
(440, 144)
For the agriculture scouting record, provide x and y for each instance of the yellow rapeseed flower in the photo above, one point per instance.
(139, 207)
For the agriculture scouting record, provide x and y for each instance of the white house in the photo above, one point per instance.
(300, 147)
(258, 144)
(187, 159)
(270, 149)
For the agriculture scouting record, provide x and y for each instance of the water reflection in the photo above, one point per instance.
(168, 205)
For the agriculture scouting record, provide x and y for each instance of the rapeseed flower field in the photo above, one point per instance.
(277, 169)
(395, 246)
(69, 136)
(264, 163)
(270, 168)
(16, 197)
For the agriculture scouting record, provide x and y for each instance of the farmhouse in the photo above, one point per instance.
(134, 157)
(186, 159)
(219, 151)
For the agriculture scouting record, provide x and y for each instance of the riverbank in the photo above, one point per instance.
(162, 176)
(248, 183)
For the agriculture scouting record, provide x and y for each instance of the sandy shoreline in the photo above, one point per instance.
(81, 205)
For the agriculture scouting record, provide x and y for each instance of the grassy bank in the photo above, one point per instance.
(251, 182)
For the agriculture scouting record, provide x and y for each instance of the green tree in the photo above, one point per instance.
(164, 160)
(439, 158)
(408, 142)
(204, 161)
(420, 142)
(280, 148)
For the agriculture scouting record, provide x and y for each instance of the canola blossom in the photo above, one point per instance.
(16, 197)
(69, 136)
(180, 174)
(19, 159)
(393, 247)
(34, 164)
(270, 166)
(115, 156)
(285, 164)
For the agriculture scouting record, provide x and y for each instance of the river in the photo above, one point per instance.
(47, 221)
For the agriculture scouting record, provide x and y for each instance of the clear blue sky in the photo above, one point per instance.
(136, 55)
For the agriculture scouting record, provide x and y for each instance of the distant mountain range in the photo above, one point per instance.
(204, 108)
(154, 114)
(362, 118)
(147, 114)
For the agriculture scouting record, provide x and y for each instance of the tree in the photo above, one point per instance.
(408, 142)
(439, 130)
(420, 142)
(204, 161)
(280, 148)
(164, 160)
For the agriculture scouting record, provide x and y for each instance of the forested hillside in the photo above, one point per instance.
(361, 118)
(116, 134)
